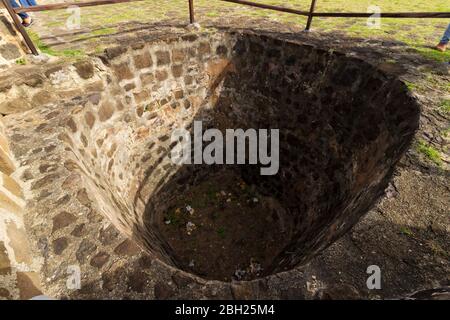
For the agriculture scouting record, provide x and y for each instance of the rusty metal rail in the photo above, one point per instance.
(59, 6)
(309, 14)
(342, 14)
(191, 11)
(268, 6)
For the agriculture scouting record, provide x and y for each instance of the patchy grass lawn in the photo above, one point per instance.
(429, 152)
(445, 106)
(420, 34)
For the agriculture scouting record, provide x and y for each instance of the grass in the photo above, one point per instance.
(419, 34)
(68, 53)
(437, 249)
(429, 152)
(221, 232)
(213, 14)
(98, 33)
(21, 61)
(405, 231)
(173, 217)
(445, 106)
(433, 54)
(446, 133)
(100, 49)
(410, 85)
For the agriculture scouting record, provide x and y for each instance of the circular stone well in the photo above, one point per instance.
(343, 126)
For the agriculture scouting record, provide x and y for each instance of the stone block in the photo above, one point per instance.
(204, 48)
(147, 79)
(41, 98)
(5, 264)
(9, 205)
(4, 142)
(99, 259)
(143, 60)
(59, 245)
(85, 69)
(105, 111)
(163, 58)
(28, 284)
(141, 97)
(89, 118)
(62, 220)
(5, 294)
(19, 243)
(127, 248)
(15, 106)
(10, 51)
(161, 75)
(123, 71)
(178, 55)
(177, 71)
(115, 52)
(11, 185)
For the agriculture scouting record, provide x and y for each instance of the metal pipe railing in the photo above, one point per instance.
(341, 14)
(191, 11)
(59, 6)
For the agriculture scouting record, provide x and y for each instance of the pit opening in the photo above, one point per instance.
(343, 126)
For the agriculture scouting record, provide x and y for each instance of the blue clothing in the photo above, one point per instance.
(25, 4)
(446, 38)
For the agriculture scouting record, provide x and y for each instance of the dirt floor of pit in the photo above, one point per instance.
(224, 229)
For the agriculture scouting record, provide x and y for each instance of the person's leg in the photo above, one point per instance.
(23, 15)
(446, 38)
(442, 46)
(25, 4)
(31, 3)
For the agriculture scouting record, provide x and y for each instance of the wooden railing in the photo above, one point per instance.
(309, 14)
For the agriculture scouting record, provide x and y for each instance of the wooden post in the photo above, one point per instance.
(20, 27)
(191, 11)
(311, 15)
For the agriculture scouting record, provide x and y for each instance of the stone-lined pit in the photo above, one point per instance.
(343, 127)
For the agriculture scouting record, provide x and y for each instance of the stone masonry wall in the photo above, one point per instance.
(84, 151)
(18, 276)
(92, 143)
